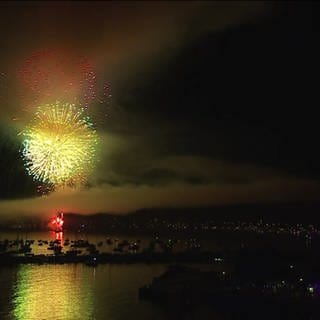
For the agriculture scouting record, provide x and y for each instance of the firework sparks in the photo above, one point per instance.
(57, 73)
(59, 146)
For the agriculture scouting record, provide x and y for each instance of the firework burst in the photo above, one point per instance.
(59, 146)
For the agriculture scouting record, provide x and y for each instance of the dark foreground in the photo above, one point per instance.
(182, 290)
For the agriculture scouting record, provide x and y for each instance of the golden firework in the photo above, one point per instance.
(59, 146)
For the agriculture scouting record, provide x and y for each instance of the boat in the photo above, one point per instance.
(92, 262)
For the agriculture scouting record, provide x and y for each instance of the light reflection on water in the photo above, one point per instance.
(77, 292)
(53, 292)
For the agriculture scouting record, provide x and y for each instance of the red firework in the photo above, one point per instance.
(51, 74)
(57, 222)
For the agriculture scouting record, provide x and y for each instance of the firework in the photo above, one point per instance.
(59, 74)
(59, 146)
(57, 222)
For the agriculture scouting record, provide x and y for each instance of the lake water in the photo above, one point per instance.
(79, 292)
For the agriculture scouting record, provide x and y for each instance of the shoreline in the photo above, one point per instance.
(103, 258)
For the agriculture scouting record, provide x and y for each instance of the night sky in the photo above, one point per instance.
(212, 103)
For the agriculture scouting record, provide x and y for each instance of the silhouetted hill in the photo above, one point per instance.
(283, 212)
(159, 218)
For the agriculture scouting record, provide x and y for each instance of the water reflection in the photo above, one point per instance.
(53, 292)
(79, 292)
(57, 236)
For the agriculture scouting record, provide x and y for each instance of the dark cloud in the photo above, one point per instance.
(243, 94)
(154, 177)
(15, 182)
